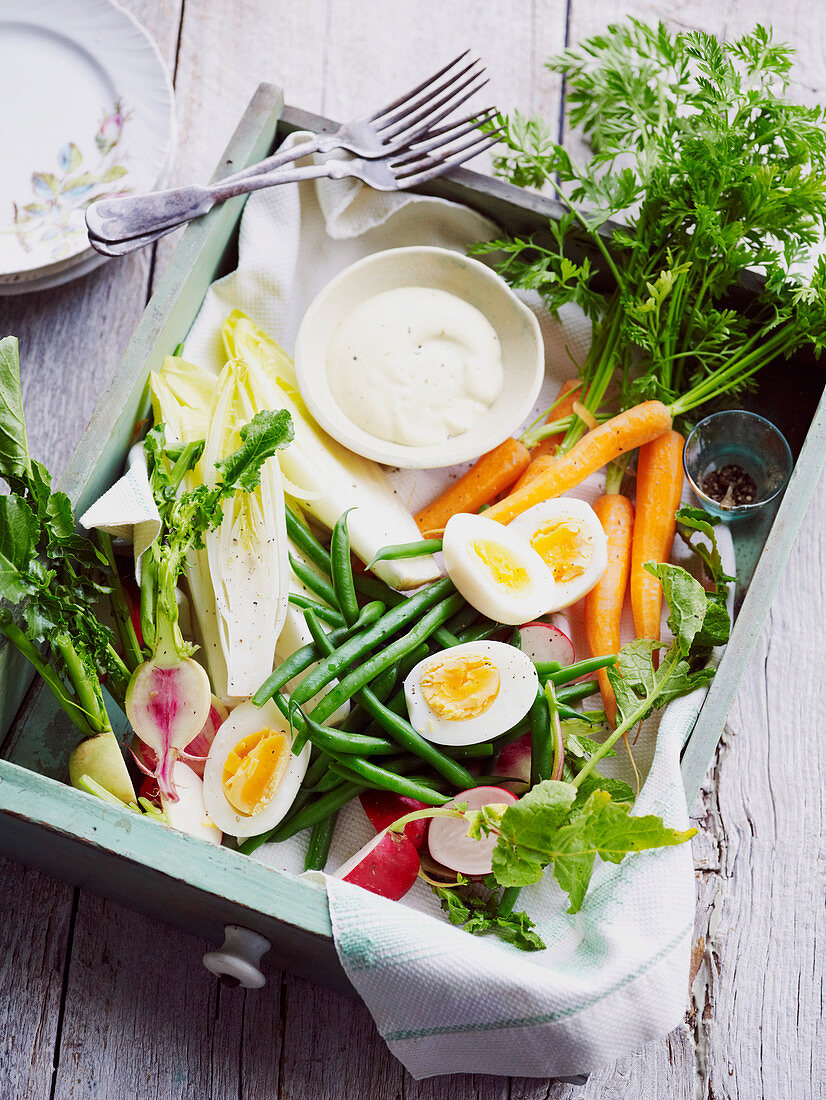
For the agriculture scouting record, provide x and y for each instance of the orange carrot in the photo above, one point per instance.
(603, 604)
(569, 392)
(625, 432)
(659, 486)
(490, 475)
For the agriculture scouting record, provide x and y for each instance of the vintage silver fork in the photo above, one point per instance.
(431, 156)
(386, 131)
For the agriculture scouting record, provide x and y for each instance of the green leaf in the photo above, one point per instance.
(692, 522)
(607, 829)
(686, 599)
(267, 433)
(15, 465)
(113, 173)
(479, 916)
(519, 855)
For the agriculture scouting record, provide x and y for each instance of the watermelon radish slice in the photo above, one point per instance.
(449, 843)
(515, 759)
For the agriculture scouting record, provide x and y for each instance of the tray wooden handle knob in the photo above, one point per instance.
(237, 960)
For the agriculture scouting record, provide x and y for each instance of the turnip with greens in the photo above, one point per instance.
(447, 838)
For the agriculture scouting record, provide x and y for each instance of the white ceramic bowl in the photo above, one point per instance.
(523, 356)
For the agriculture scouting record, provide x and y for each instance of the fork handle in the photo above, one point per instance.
(134, 216)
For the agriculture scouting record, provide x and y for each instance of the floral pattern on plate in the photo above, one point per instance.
(56, 213)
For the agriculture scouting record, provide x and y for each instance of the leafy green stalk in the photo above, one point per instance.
(187, 516)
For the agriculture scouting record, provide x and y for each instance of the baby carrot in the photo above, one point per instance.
(659, 486)
(625, 432)
(489, 476)
(603, 604)
(569, 392)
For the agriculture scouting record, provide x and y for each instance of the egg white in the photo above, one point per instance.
(244, 720)
(474, 581)
(557, 510)
(517, 691)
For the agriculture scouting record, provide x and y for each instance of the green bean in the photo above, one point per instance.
(342, 570)
(309, 815)
(308, 577)
(296, 663)
(462, 619)
(541, 746)
(307, 542)
(329, 781)
(327, 739)
(384, 779)
(408, 663)
(370, 586)
(301, 660)
(360, 676)
(566, 711)
(384, 683)
(470, 752)
(319, 847)
(575, 693)
(398, 728)
(508, 900)
(558, 675)
(316, 770)
(479, 632)
(407, 550)
(327, 614)
(349, 653)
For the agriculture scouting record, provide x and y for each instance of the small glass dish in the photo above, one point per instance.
(736, 438)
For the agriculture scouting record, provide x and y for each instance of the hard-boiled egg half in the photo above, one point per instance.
(251, 777)
(496, 569)
(570, 540)
(470, 693)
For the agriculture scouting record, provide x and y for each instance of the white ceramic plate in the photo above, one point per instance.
(92, 114)
(523, 355)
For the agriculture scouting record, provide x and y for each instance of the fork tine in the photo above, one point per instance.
(408, 129)
(415, 91)
(435, 139)
(435, 167)
(448, 93)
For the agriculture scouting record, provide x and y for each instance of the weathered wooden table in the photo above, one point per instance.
(98, 1002)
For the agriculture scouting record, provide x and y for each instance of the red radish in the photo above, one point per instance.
(449, 843)
(545, 642)
(515, 759)
(385, 807)
(149, 790)
(387, 866)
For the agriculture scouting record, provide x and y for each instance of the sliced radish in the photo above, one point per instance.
(449, 843)
(387, 865)
(385, 807)
(515, 760)
(544, 642)
(202, 742)
(186, 812)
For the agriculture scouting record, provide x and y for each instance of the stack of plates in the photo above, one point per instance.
(91, 115)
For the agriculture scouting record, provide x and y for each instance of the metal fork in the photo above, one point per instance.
(443, 149)
(386, 131)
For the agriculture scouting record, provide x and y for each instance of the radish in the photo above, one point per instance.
(387, 865)
(167, 703)
(385, 807)
(200, 745)
(186, 811)
(449, 843)
(515, 759)
(545, 642)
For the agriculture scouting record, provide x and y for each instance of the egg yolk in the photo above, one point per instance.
(564, 547)
(503, 565)
(253, 769)
(461, 687)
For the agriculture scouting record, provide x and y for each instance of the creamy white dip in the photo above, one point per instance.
(415, 366)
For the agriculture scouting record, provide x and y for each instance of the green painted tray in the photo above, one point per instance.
(168, 875)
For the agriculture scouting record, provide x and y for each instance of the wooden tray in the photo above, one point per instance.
(168, 875)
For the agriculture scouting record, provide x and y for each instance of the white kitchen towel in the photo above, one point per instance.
(614, 975)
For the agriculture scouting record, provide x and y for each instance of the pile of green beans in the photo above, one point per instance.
(376, 637)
